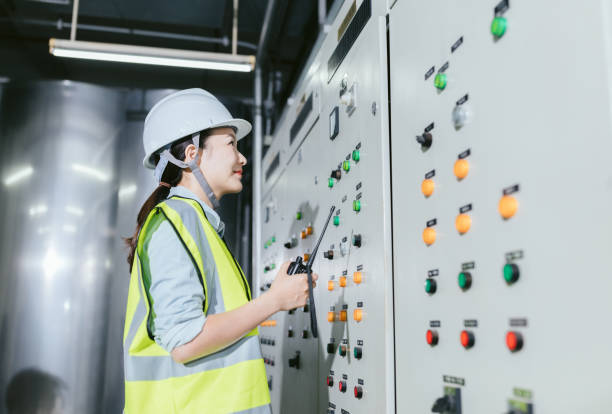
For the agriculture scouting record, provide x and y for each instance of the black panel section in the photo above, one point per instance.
(348, 39)
(299, 122)
(273, 166)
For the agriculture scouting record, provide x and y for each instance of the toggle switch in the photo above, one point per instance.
(426, 139)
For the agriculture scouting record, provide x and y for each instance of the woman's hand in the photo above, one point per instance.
(290, 291)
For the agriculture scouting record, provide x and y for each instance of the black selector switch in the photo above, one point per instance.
(449, 403)
(337, 174)
(331, 348)
(426, 139)
(295, 361)
(329, 254)
(290, 333)
(357, 240)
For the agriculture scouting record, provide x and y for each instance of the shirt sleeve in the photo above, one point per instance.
(176, 293)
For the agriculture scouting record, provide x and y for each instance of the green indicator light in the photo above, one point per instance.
(498, 26)
(346, 165)
(440, 81)
(336, 220)
(429, 286)
(356, 155)
(265, 245)
(330, 182)
(272, 266)
(273, 239)
(356, 205)
(462, 280)
(298, 215)
(511, 273)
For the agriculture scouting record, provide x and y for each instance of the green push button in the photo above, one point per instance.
(511, 273)
(336, 220)
(346, 165)
(498, 26)
(273, 239)
(440, 81)
(465, 280)
(356, 155)
(330, 182)
(356, 205)
(298, 215)
(430, 286)
(272, 266)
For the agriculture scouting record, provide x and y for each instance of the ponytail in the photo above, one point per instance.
(158, 195)
(171, 177)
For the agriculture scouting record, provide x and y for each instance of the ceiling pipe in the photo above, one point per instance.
(61, 25)
(258, 141)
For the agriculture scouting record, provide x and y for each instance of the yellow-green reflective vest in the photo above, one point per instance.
(229, 381)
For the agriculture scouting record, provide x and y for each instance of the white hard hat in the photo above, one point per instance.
(182, 114)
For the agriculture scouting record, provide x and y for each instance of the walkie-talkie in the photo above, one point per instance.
(298, 266)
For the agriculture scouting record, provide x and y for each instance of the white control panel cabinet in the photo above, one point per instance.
(331, 148)
(502, 200)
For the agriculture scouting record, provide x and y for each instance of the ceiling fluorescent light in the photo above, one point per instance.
(151, 55)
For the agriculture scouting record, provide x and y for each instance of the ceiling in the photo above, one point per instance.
(206, 25)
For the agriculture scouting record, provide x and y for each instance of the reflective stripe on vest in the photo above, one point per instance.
(232, 380)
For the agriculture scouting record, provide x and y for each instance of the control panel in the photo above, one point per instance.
(331, 148)
(500, 138)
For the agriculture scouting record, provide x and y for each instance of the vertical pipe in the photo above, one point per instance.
(75, 14)
(235, 29)
(322, 12)
(257, 156)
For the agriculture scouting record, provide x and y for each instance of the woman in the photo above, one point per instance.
(190, 338)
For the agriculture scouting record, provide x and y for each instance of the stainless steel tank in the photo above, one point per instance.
(58, 197)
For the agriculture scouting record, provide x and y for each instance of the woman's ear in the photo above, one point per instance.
(191, 153)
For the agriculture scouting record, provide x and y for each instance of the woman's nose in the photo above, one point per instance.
(242, 159)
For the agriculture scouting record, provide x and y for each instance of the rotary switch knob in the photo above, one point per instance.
(425, 140)
(356, 240)
(337, 174)
(329, 254)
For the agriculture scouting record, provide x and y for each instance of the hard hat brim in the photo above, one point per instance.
(243, 128)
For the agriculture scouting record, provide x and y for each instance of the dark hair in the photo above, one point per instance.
(32, 391)
(172, 175)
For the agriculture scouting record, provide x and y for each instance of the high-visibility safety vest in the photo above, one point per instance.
(232, 380)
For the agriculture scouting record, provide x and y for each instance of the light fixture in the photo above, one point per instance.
(18, 175)
(127, 190)
(113, 52)
(92, 172)
(75, 211)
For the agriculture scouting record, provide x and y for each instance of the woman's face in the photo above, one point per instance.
(222, 163)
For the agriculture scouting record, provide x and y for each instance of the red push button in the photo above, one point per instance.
(358, 392)
(342, 386)
(514, 341)
(330, 381)
(432, 337)
(467, 339)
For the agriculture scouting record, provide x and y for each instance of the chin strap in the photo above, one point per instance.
(166, 157)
